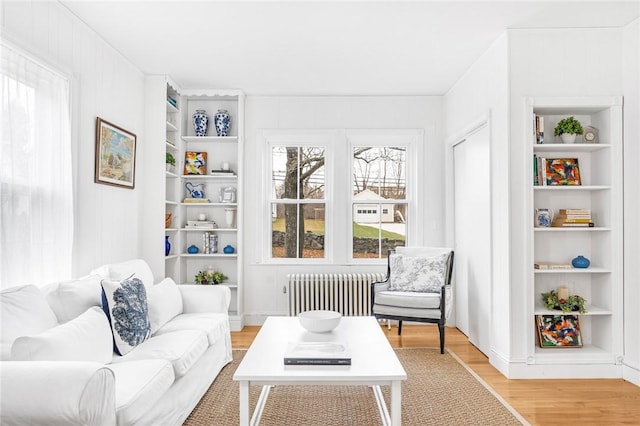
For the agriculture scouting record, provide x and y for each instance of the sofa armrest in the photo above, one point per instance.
(56, 392)
(205, 298)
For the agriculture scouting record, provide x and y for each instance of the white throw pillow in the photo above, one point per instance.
(24, 310)
(71, 298)
(84, 338)
(165, 303)
(137, 268)
(419, 273)
(125, 303)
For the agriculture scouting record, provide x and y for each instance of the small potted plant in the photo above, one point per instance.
(572, 303)
(568, 128)
(171, 162)
(210, 276)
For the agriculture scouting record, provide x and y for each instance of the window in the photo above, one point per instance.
(379, 200)
(298, 206)
(36, 209)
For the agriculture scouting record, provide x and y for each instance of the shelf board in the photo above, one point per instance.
(171, 108)
(228, 139)
(571, 187)
(209, 255)
(171, 203)
(587, 354)
(216, 177)
(171, 256)
(171, 127)
(171, 229)
(590, 270)
(576, 147)
(171, 174)
(211, 204)
(591, 311)
(170, 145)
(572, 229)
(210, 229)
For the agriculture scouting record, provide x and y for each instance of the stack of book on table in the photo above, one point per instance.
(317, 353)
(573, 218)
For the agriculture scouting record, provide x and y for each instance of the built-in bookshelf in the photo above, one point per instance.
(584, 195)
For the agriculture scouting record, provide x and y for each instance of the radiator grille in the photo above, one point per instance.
(349, 294)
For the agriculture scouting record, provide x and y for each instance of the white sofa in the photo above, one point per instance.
(58, 366)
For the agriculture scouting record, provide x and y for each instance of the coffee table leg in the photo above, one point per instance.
(396, 403)
(244, 403)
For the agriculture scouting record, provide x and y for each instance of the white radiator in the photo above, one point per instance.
(349, 294)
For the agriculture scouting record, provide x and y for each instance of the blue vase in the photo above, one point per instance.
(228, 249)
(580, 262)
(222, 122)
(167, 246)
(200, 122)
(193, 249)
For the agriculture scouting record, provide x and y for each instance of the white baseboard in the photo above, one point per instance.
(631, 372)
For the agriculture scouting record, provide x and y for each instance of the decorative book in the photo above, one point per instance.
(549, 265)
(195, 163)
(558, 331)
(317, 353)
(562, 171)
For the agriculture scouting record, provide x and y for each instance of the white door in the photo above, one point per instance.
(472, 222)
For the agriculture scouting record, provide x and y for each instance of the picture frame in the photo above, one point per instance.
(195, 163)
(558, 331)
(115, 155)
(562, 171)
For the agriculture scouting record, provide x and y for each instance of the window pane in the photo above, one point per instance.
(379, 172)
(298, 173)
(297, 230)
(375, 233)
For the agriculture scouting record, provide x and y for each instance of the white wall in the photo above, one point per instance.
(104, 84)
(263, 283)
(631, 91)
(483, 90)
(549, 63)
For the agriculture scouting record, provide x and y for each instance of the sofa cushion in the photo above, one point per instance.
(137, 268)
(68, 299)
(409, 299)
(139, 385)
(417, 273)
(84, 338)
(165, 302)
(24, 310)
(125, 303)
(181, 348)
(214, 325)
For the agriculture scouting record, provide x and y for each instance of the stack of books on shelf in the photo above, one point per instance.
(222, 173)
(201, 224)
(549, 265)
(209, 243)
(538, 128)
(196, 200)
(172, 101)
(573, 218)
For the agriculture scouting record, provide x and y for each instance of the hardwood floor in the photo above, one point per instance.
(541, 402)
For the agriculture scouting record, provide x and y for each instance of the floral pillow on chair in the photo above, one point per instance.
(417, 273)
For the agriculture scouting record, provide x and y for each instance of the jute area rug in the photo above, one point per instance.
(438, 391)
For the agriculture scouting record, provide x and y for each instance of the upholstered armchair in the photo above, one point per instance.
(418, 279)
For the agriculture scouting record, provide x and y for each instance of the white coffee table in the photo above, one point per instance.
(373, 363)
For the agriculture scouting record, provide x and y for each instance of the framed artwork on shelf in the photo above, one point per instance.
(558, 331)
(562, 171)
(195, 163)
(115, 155)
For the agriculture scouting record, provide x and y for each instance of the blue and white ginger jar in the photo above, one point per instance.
(222, 121)
(200, 122)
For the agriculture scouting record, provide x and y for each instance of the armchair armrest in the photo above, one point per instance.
(56, 392)
(205, 298)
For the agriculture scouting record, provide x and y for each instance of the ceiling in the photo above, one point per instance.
(325, 48)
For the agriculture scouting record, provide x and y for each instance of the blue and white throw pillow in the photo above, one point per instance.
(419, 273)
(125, 303)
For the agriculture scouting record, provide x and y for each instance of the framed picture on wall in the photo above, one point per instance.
(115, 162)
(558, 331)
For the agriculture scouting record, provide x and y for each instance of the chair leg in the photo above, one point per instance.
(441, 329)
(399, 327)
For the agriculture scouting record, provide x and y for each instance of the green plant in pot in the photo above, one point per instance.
(210, 276)
(170, 160)
(573, 303)
(568, 128)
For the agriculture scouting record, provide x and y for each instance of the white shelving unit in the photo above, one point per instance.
(601, 191)
(181, 265)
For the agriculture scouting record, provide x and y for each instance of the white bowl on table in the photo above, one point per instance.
(319, 321)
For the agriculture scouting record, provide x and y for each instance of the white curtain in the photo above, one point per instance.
(36, 188)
